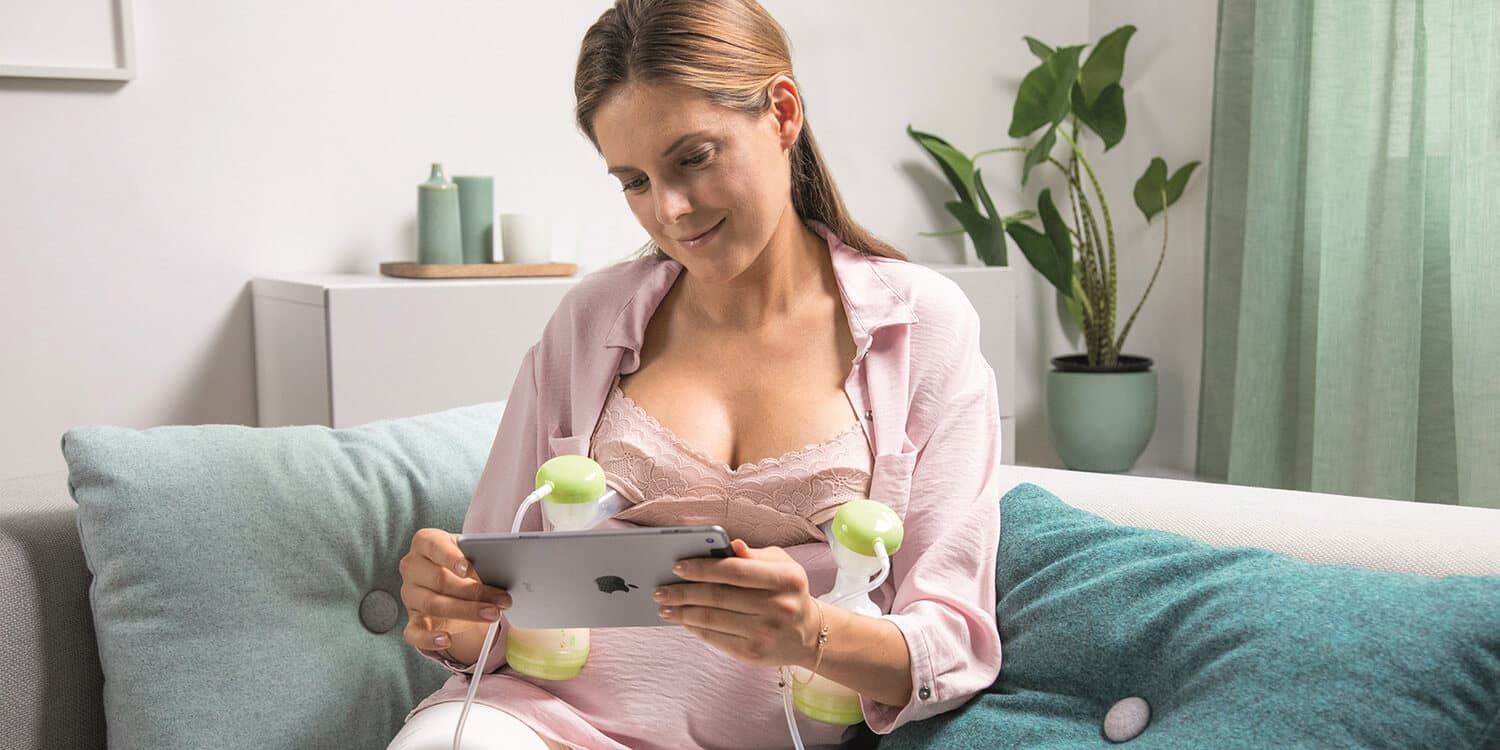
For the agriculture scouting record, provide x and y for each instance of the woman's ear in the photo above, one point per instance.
(786, 108)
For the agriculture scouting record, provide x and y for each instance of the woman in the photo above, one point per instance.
(770, 333)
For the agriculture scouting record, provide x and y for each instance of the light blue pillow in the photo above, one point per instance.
(1230, 648)
(245, 586)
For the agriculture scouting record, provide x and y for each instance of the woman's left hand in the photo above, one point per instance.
(754, 606)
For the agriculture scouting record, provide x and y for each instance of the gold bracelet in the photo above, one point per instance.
(822, 641)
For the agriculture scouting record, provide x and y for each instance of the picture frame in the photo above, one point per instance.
(123, 53)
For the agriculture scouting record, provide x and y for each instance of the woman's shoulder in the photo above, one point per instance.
(589, 310)
(942, 341)
(610, 286)
(605, 291)
(887, 284)
(940, 306)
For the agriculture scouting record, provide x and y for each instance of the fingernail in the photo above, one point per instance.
(489, 613)
(500, 600)
(659, 595)
(665, 612)
(441, 639)
(461, 567)
(679, 568)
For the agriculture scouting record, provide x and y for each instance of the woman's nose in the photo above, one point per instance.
(671, 204)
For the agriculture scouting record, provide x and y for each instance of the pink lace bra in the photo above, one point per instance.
(776, 501)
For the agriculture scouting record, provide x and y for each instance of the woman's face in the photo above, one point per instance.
(709, 184)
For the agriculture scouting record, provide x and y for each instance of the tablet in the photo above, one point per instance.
(602, 578)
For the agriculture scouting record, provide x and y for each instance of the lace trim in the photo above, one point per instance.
(745, 468)
(778, 500)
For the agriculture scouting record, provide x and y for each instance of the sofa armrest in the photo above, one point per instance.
(50, 677)
(1394, 535)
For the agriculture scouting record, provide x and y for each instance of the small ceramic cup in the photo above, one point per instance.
(525, 238)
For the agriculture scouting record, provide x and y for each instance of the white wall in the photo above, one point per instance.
(262, 139)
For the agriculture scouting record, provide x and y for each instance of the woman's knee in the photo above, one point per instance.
(487, 728)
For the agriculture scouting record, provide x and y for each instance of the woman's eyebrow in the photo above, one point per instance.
(666, 153)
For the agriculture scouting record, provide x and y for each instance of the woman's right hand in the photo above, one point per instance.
(444, 597)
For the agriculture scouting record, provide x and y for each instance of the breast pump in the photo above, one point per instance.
(574, 497)
(862, 537)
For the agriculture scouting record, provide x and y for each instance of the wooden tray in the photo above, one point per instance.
(475, 270)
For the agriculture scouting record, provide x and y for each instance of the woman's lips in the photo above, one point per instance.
(702, 239)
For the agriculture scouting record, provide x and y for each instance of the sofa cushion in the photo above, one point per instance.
(232, 566)
(1223, 647)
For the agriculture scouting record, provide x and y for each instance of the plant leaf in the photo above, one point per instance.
(1105, 63)
(959, 169)
(1044, 92)
(1039, 153)
(994, 255)
(1154, 192)
(1178, 183)
(1057, 234)
(1106, 116)
(989, 243)
(1041, 250)
(1151, 187)
(1039, 49)
(1038, 251)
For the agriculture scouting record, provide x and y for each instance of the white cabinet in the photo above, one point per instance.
(341, 350)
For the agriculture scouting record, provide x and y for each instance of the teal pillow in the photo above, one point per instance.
(245, 586)
(1231, 648)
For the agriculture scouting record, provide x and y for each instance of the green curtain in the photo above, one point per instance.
(1352, 292)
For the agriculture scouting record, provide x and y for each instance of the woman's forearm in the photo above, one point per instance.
(866, 654)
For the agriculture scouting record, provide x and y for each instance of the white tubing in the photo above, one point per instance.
(489, 639)
(484, 655)
(541, 492)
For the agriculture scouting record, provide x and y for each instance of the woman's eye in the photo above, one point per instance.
(696, 160)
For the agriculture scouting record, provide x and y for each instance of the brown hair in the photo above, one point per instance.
(727, 50)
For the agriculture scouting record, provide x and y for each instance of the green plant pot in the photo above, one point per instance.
(1101, 420)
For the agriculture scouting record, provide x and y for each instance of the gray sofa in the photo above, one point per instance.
(52, 682)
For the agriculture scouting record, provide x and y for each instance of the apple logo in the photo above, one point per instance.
(611, 584)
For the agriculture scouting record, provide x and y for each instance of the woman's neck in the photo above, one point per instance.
(787, 274)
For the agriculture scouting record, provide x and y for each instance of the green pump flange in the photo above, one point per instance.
(859, 523)
(575, 479)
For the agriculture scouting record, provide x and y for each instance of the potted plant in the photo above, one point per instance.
(1101, 404)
